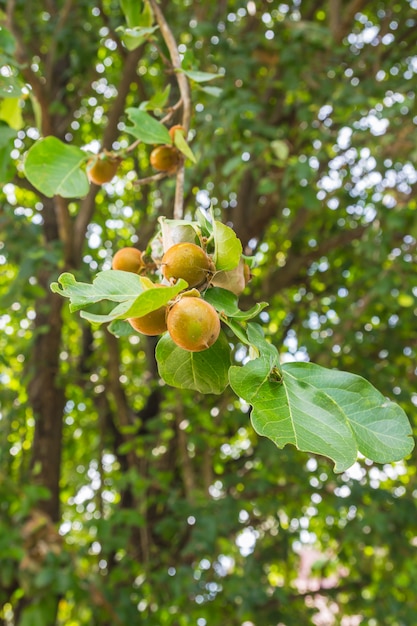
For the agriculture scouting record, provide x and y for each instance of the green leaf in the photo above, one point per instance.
(134, 37)
(206, 371)
(327, 412)
(154, 298)
(131, 11)
(146, 128)
(113, 285)
(224, 301)
(380, 426)
(54, 168)
(7, 135)
(256, 337)
(132, 292)
(228, 248)
(183, 146)
(147, 301)
(11, 112)
(7, 41)
(200, 77)
(120, 328)
(157, 101)
(212, 91)
(205, 224)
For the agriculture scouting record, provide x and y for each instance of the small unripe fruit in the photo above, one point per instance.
(128, 260)
(102, 168)
(165, 159)
(176, 128)
(193, 324)
(188, 261)
(153, 323)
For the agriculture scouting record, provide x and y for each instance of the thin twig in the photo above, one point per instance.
(150, 179)
(184, 89)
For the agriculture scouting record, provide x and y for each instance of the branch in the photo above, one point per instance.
(87, 206)
(65, 227)
(171, 44)
(185, 94)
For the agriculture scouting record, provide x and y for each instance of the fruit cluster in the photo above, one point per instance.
(192, 323)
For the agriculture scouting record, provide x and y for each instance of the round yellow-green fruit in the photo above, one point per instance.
(128, 260)
(102, 168)
(193, 324)
(151, 324)
(188, 261)
(165, 159)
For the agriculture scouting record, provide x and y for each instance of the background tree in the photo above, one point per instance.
(123, 499)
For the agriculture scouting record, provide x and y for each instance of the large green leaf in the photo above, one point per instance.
(113, 285)
(146, 128)
(206, 371)
(327, 412)
(54, 168)
(147, 301)
(380, 427)
(132, 293)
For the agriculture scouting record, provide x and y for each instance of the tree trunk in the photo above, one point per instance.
(46, 396)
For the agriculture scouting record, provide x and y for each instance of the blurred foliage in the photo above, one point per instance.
(171, 510)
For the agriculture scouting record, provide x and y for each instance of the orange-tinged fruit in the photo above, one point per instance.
(193, 324)
(153, 323)
(188, 261)
(165, 159)
(176, 128)
(102, 168)
(128, 260)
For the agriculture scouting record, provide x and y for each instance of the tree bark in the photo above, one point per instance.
(47, 398)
